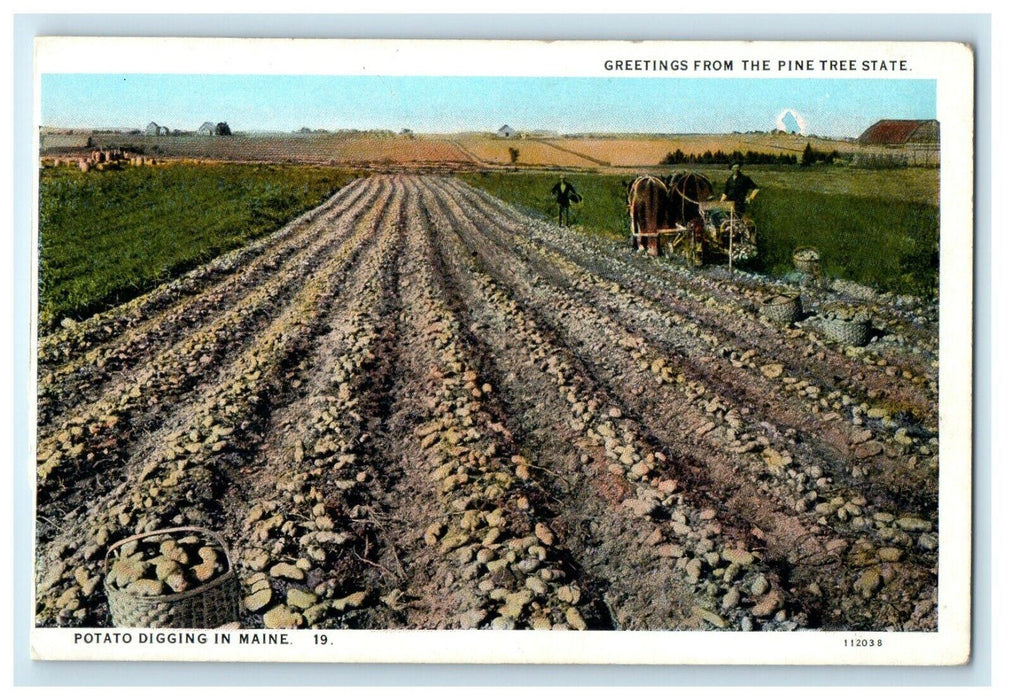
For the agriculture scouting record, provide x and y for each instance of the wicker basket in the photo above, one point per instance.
(782, 309)
(847, 332)
(211, 605)
(807, 260)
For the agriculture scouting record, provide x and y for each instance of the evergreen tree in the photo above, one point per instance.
(808, 156)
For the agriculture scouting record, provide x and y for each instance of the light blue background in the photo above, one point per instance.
(972, 29)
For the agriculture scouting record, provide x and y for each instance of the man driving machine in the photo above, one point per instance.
(739, 189)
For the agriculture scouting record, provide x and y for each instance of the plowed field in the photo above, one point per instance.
(416, 407)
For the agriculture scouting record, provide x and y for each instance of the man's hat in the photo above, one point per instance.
(734, 165)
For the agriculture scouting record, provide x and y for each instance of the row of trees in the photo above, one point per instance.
(809, 156)
(721, 158)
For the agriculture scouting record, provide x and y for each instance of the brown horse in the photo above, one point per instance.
(648, 204)
(686, 191)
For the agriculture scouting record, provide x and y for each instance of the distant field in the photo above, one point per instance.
(874, 227)
(351, 149)
(399, 150)
(462, 150)
(490, 150)
(105, 237)
(278, 148)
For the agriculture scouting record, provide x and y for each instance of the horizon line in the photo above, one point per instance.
(319, 131)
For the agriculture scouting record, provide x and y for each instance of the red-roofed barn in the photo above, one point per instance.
(898, 132)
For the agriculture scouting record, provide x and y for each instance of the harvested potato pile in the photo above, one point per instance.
(163, 565)
(847, 314)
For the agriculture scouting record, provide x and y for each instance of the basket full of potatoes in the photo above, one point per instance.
(180, 577)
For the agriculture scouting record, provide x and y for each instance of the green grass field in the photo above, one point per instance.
(105, 237)
(876, 227)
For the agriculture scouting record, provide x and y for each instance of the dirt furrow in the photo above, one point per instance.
(778, 476)
(98, 436)
(181, 477)
(303, 513)
(867, 456)
(426, 593)
(503, 567)
(620, 483)
(83, 379)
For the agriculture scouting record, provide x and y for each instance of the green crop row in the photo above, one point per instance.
(107, 236)
(879, 228)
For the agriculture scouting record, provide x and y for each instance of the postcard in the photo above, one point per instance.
(502, 351)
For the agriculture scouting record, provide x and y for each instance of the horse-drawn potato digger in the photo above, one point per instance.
(679, 216)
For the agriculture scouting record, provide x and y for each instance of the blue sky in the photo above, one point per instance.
(449, 104)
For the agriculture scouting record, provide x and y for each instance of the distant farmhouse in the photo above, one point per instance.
(898, 132)
(211, 129)
(506, 131)
(153, 129)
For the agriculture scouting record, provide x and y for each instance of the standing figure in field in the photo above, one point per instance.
(565, 194)
(739, 189)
